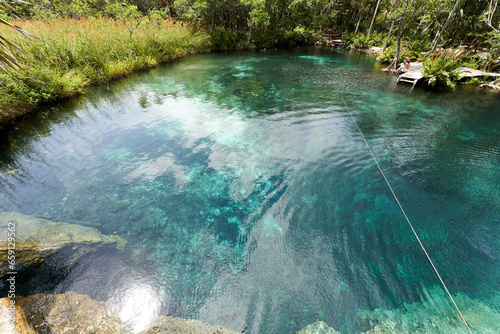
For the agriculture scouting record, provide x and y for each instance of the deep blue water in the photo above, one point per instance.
(249, 199)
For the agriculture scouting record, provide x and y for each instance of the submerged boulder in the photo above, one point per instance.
(319, 327)
(435, 314)
(74, 313)
(33, 241)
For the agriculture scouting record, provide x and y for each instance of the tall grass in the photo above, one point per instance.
(70, 55)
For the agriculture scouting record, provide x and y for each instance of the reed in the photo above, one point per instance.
(70, 55)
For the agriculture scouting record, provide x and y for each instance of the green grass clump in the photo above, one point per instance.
(70, 55)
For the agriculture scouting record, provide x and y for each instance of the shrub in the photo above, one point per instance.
(441, 71)
(364, 42)
(492, 62)
(224, 39)
(388, 55)
(299, 35)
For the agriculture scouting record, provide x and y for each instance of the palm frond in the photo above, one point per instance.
(7, 59)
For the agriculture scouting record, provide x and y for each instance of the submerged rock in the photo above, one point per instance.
(172, 325)
(38, 240)
(435, 314)
(319, 327)
(74, 313)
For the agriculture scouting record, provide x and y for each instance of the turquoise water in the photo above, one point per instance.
(248, 198)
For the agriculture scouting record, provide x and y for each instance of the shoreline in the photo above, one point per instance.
(70, 56)
(11, 115)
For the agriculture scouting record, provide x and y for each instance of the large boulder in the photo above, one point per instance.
(64, 313)
(74, 313)
(173, 325)
(38, 240)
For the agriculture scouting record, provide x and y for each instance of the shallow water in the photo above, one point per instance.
(248, 198)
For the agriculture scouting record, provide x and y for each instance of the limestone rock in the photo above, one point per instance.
(37, 240)
(73, 313)
(376, 51)
(12, 320)
(64, 313)
(319, 327)
(171, 325)
(494, 85)
(490, 86)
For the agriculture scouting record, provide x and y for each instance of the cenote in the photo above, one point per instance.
(248, 198)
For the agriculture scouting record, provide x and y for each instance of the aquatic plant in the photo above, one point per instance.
(441, 71)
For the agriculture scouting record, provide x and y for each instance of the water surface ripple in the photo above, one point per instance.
(248, 198)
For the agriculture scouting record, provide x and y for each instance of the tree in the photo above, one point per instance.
(445, 25)
(128, 14)
(373, 19)
(403, 16)
(492, 7)
(258, 16)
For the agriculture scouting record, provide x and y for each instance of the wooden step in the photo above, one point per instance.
(407, 80)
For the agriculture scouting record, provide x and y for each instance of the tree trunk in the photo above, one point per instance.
(388, 37)
(357, 25)
(492, 7)
(373, 19)
(419, 25)
(169, 8)
(331, 3)
(250, 34)
(394, 64)
(488, 23)
(438, 36)
(282, 14)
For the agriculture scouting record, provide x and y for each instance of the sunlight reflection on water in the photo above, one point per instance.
(138, 305)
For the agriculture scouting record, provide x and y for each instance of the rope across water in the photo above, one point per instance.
(407, 219)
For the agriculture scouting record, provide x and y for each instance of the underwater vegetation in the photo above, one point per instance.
(242, 182)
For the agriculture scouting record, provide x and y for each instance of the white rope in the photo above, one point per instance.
(407, 219)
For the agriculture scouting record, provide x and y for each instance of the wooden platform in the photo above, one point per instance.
(415, 73)
(412, 75)
(332, 38)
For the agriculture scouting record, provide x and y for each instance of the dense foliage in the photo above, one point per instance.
(277, 22)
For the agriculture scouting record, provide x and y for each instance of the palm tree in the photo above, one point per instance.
(7, 59)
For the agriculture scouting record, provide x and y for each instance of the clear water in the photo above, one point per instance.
(248, 198)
